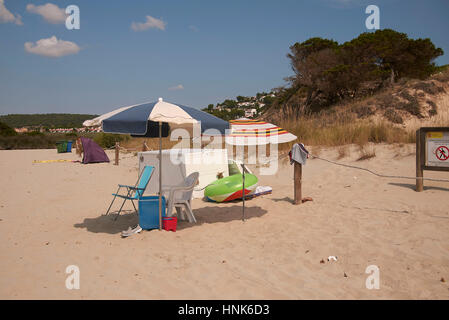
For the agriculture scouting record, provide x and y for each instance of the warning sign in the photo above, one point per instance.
(442, 153)
(437, 149)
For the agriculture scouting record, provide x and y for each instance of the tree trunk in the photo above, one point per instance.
(392, 76)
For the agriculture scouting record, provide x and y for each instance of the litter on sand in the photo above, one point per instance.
(332, 258)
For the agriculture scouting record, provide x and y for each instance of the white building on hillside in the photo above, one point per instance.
(249, 113)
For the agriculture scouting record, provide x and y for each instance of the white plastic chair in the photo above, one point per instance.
(180, 197)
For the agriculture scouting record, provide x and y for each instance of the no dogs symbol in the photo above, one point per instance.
(442, 153)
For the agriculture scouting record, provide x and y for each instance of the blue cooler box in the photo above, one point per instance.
(149, 212)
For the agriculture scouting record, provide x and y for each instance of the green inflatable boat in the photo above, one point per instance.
(230, 188)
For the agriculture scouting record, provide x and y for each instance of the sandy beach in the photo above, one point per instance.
(51, 217)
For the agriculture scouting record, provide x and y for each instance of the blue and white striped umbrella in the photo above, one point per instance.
(134, 119)
(142, 118)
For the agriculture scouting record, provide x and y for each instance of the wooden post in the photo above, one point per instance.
(116, 153)
(297, 176)
(144, 148)
(419, 162)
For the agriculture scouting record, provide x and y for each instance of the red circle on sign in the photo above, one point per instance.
(442, 153)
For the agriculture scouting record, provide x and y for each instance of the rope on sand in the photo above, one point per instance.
(378, 174)
(364, 169)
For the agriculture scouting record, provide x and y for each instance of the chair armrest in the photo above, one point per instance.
(175, 190)
(135, 188)
(180, 188)
(125, 186)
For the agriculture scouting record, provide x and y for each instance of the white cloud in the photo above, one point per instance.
(149, 23)
(6, 15)
(52, 47)
(175, 88)
(49, 11)
(193, 28)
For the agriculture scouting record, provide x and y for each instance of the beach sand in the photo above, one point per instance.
(51, 217)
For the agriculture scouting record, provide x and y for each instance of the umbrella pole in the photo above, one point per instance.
(243, 191)
(160, 175)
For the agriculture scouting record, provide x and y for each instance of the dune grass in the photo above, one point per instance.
(340, 132)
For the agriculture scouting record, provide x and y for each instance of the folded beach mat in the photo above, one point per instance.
(260, 191)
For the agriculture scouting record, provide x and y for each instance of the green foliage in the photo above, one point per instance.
(31, 141)
(268, 101)
(6, 131)
(50, 120)
(72, 135)
(229, 103)
(442, 68)
(108, 140)
(327, 72)
(33, 133)
(228, 115)
(243, 99)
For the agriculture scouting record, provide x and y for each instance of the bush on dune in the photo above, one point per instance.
(108, 140)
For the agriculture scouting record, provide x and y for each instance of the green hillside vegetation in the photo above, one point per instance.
(6, 131)
(326, 72)
(38, 140)
(49, 120)
(10, 139)
(229, 108)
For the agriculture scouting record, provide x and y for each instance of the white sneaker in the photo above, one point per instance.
(130, 231)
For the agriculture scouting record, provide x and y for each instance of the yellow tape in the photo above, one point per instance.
(49, 161)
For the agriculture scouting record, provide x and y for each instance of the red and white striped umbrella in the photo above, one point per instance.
(247, 132)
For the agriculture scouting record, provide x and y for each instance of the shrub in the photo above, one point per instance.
(442, 76)
(33, 133)
(385, 100)
(27, 141)
(428, 87)
(364, 111)
(411, 106)
(393, 116)
(6, 131)
(73, 135)
(108, 140)
(433, 108)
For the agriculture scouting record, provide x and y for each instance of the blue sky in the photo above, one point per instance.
(192, 52)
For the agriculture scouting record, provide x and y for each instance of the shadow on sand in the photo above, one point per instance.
(413, 186)
(286, 199)
(217, 213)
(209, 214)
(106, 224)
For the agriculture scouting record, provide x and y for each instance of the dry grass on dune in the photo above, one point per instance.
(321, 131)
(314, 132)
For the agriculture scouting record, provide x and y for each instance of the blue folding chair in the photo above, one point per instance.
(133, 192)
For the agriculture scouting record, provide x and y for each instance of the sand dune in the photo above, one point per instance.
(51, 217)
